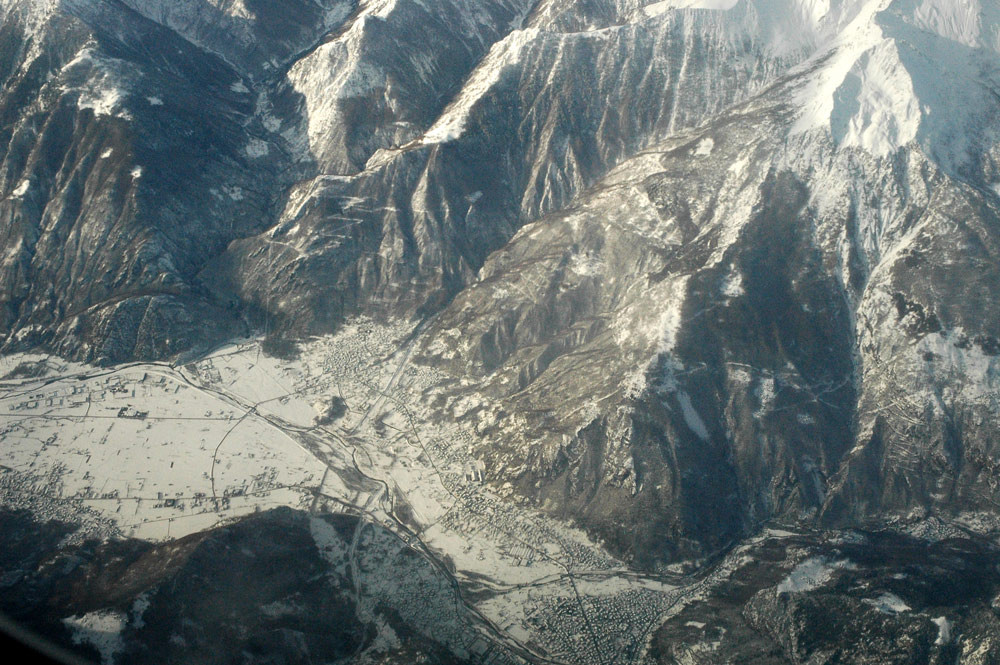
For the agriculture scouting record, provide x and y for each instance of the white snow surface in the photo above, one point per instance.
(704, 147)
(900, 71)
(103, 101)
(21, 189)
(101, 629)
(162, 452)
(944, 630)
(732, 285)
(862, 70)
(812, 574)
(256, 149)
(691, 416)
(967, 22)
(888, 603)
(107, 83)
(658, 8)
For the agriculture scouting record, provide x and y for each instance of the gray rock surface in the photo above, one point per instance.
(688, 269)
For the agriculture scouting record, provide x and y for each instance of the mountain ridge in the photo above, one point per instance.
(695, 266)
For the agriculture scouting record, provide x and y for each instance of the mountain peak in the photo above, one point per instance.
(905, 71)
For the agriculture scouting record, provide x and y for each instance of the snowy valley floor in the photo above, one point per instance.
(157, 452)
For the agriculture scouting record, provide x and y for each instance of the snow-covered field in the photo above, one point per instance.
(162, 451)
(161, 456)
(157, 452)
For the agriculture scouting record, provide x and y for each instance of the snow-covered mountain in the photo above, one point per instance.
(686, 266)
(786, 310)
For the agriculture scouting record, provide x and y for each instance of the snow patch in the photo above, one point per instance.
(732, 285)
(331, 546)
(766, 394)
(239, 88)
(137, 172)
(102, 101)
(944, 630)
(256, 149)
(812, 574)
(386, 640)
(740, 376)
(139, 607)
(739, 167)
(669, 325)
(107, 153)
(888, 603)
(586, 265)
(13, 254)
(704, 147)
(661, 329)
(102, 93)
(101, 629)
(691, 417)
(660, 8)
(965, 367)
(154, 101)
(21, 189)
(270, 123)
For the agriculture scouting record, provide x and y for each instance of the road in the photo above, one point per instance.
(322, 442)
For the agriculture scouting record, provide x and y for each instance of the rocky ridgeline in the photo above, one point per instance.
(689, 265)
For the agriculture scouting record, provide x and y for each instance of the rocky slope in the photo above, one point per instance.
(279, 587)
(391, 120)
(774, 314)
(847, 598)
(128, 162)
(405, 233)
(689, 265)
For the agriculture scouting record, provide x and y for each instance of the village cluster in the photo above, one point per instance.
(157, 451)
